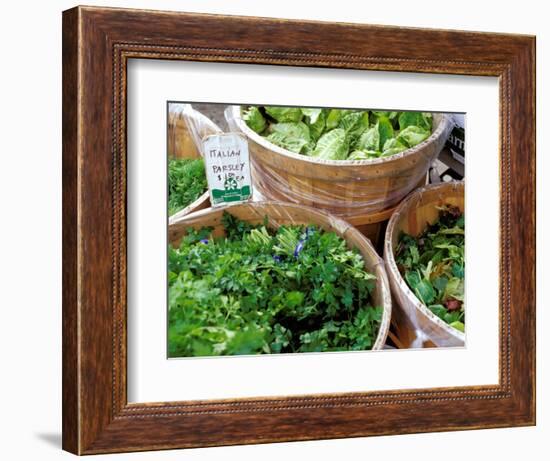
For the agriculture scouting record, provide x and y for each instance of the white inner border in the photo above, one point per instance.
(154, 378)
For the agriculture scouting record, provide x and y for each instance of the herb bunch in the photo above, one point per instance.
(260, 290)
(433, 265)
(186, 183)
(339, 134)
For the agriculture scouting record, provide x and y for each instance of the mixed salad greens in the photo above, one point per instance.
(260, 290)
(433, 265)
(186, 183)
(339, 134)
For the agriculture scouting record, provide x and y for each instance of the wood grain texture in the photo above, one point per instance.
(97, 42)
(70, 384)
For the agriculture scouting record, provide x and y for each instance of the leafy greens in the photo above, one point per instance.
(260, 290)
(432, 264)
(186, 183)
(339, 134)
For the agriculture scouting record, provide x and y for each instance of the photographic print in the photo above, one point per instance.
(313, 229)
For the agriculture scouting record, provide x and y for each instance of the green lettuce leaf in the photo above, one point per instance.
(412, 135)
(354, 124)
(438, 310)
(393, 146)
(385, 130)
(254, 119)
(292, 129)
(316, 119)
(311, 114)
(386, 114)
(333, 118)
(284, 114)
(454, 289)
(332, 145)
(425, 292)
(369, 140)
(290, 135)
(287, 142)
(419, 119)
(458, 325)
(413, 279)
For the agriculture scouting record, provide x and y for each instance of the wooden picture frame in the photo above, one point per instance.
(97, 43)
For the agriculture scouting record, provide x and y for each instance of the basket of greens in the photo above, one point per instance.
(187, 186)
(348, 162)
(424, 254)
(267, 278)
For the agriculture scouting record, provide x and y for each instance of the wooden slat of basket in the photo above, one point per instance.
(180, 141)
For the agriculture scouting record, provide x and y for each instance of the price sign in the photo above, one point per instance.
(227, 168)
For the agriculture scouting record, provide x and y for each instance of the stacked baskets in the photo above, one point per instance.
(363, 192)
(356, 199)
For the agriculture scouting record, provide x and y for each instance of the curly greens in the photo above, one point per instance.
(265, 291)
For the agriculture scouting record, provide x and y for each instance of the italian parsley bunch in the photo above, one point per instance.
(260, 290)
(186, 183)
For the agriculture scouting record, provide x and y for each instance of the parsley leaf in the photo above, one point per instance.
(186, 183)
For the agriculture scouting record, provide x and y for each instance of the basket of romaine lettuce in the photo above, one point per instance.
(346, 161)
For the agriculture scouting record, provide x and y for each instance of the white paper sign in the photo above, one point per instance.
(227, 168)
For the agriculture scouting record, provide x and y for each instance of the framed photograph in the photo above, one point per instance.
(272, 235)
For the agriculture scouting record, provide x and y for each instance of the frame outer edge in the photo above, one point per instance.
(70, 189)
(523, 216)
(91, 419)
(533, 57)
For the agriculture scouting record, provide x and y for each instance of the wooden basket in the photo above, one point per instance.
(412, 217)
(286, 213)
(373, 225)
(346, 188)
(181, 146)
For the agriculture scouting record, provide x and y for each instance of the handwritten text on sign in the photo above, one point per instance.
(227, 168)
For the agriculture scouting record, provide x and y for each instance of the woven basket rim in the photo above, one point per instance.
(203, 198)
